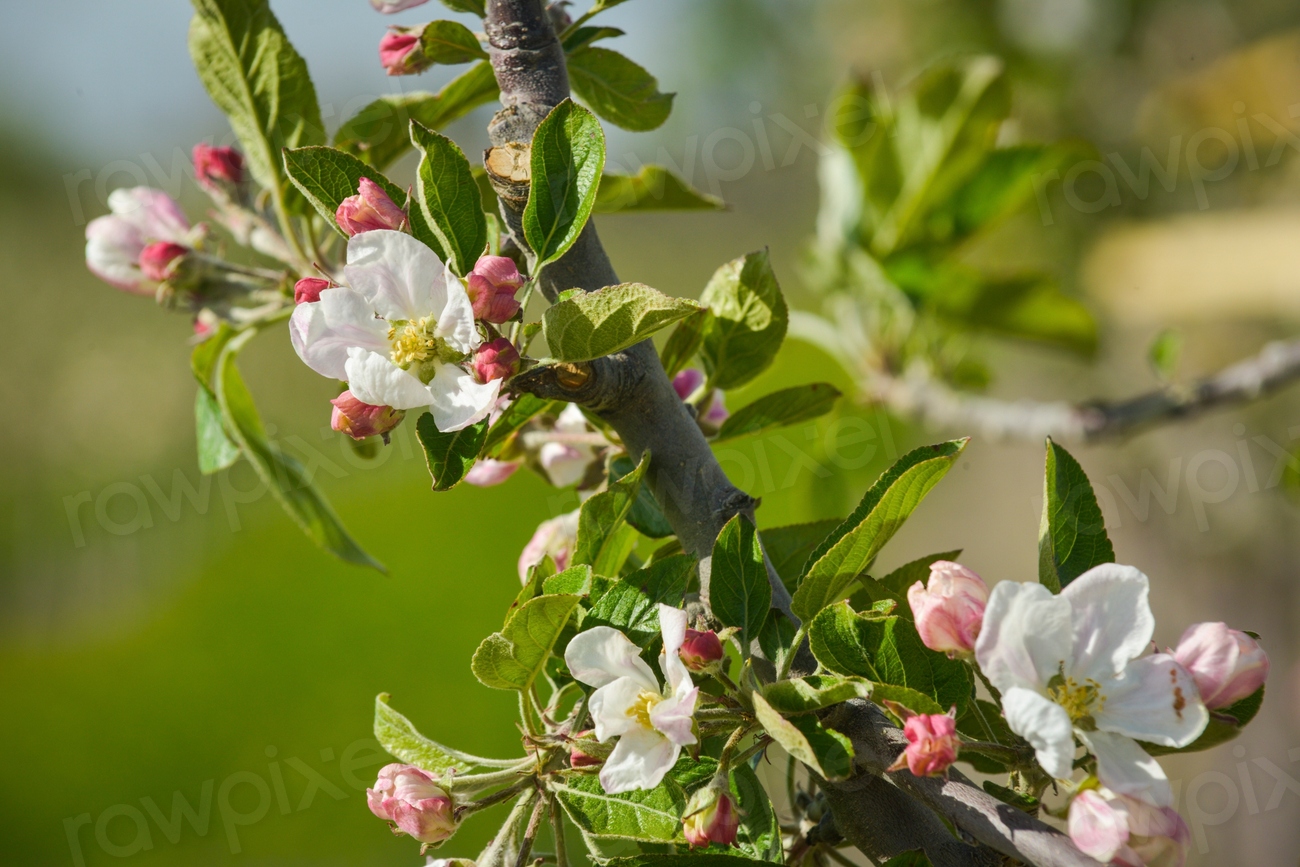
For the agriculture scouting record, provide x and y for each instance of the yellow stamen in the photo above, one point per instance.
(1080, 700)
(640, 709)
(412, 342)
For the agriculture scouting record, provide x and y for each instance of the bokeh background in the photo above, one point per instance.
(154, 641)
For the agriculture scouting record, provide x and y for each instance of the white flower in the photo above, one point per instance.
(652, 725)
(1069, 665)
(566, 463)
(399, 335)
(140, 216)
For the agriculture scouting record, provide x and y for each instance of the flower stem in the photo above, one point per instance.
(557, 831)
(493, 799)
(478, 782)
(491, 856)
(724, 761)
(530, 833)
(754, 749)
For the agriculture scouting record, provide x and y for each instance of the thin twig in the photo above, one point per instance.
(530, 833)
(557, 831)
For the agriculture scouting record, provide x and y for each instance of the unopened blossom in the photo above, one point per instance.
(496, 359)
(566, 463)
(1226, 664)
(687, 382)
(219, 169)
(399, 333)
(949, 610)
(412, 800)
(652, 723)
(711, 816)
(360, 420)
(1120, 830)
(401, 52)
(157, 259)
(488, 472)
(580, 759)
(492, 285)
(1071, 665)
(701, 649)
(369, 210)
(388, 7)
(554, 538)
(308, 289)
(140, 216)
(932, 742)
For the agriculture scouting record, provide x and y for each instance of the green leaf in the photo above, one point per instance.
(283, 474)
(449, 455)
(837, 643)
(646, 516)
(584, 36)
(474, 6)
(512, 658)
(255, 76)
(759, 834)
(618, 90)
(702, 859)
(595, 324)
(1001, 184)
(630, 606)
(216, 451)
(777, 638)
(1225, 724)
(399, 737)
(448, 197)
(574, 581)
(1072, 536)
(850, 549)
(600, 519)
(780, 408)
(450, 42)
(788, 547)
(567, 160)
(748, 324)
(523, 410)
(826, 751)
(814, 692)
(684, 342)
(895, 585)
(913, 700)
(327, 176)
(739, 592)
(650, 815)
(653, 188)
(380, 133)
(1164, 352)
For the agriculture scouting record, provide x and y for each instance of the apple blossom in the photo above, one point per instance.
(555, 539)
(488, 472)
(369, 210)
(651, 724)
(1131, 832)
(687, 382)
(492, 285)
(1226, 664)
(398, 334)
(932, 741)
(566, 463)
(701, 649)
(388, 7)
(360, 420)
(711, 816)
(309, 289)
(580, 759)
(496, 359)
(412, 800)
(140, 217)
(157, 259)
(400, 51)
(1071, 665)
(949, 610)
(218, 169)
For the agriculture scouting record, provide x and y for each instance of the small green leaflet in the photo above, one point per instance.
(684, 342)
(849, 551)
(653, 188)
(449, 455)
(216, 451)
(759, 835)
(591, 325)
(1072, 537)
(748, 324)
(630, 606)
(780, 408)
(399, 737)
(600, 519)
(327, 176)
(473, 6)
(450, 42)
(777, 638)
(512, 658)
(826, 751)
(584, 36)
(814, 692)
(739, 593)
(618, 89)
(646, 516)
(567, 160)
(449, 199)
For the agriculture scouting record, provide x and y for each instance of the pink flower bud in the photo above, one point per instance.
(401, 53)
(156, 259)
(686, 382)
(369, 209)
(488, 472)
(217, 167)
(700, 649)
(1096, 826)
(555, 538)
(496, 359)
(492, 286)
(360, 420)
(1118, 829)
(388, 7)
(932, 741)
(308, 289)
(711, 817)
(579, 759)
(411, 800)
(950, 610)
(1226, 664)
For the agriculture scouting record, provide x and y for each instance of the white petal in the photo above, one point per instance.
(1155, 700)
(571, 420)
(455, 314)
(564, 464)
(374, 379)
(113, 248)
(639, 761)
(323, 331)
(1112, 620)
(602, 654)
(610, 708)
(1046, 726)
(672, 716)
(1025, 636)
(1123, 766)
(153, 212)
(400, 276)
(457, 400)
(672, 624)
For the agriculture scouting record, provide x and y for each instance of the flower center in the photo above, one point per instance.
(412, 342)
(640, 709)
(1080, 700)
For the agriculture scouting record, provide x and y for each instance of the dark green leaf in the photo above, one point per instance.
(449, 455)
(448, 197)
(748, 324)
(777, 638)
(450, 42)
(1001, 184)
(601, 518)
(473, 6)
(630, 606)
(618, 90)
(780, 408)
(913, 700)
(584, 36)
(788, 547)
(651, 815)
(327, 176)
(826, 751)
(595, 324)
(814, 692)
(216, 451)
(654, 188)
(895, 585)
(1072, 537)
(759, 834)
(739, 592)
(983, 721)
(567, 160)
(646, 516)
(513, 657)
(900, 659)
(684, 342)
(526, 407)
(837, 641)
